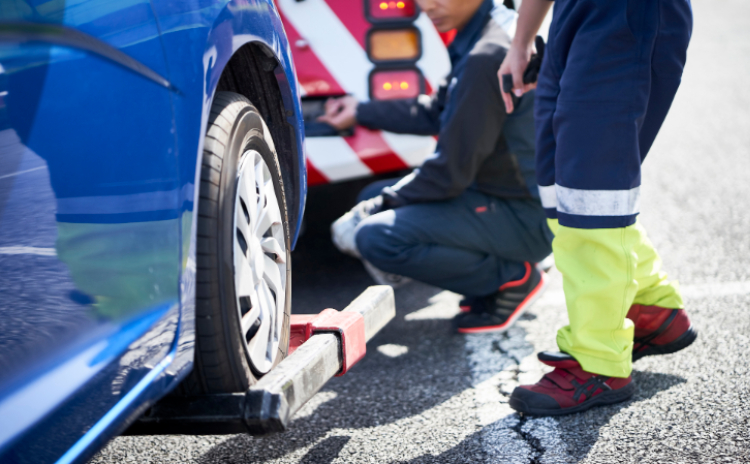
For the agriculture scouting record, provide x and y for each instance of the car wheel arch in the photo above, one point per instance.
(255, 72)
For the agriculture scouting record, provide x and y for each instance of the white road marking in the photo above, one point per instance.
(27, 250)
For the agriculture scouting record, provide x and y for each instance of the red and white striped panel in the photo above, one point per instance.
(328, 45)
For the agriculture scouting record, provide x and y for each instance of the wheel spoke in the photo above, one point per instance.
(240, 219)
(264, 223)
(246, 191)
(258, 345)
(271, 275)
(244, 275)
(273, 335)
(249, 319)
(273, 208)
(258, 184)
(242, 227)
(271, 246)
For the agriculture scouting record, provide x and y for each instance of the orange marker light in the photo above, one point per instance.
(383, 6)
(394, 44)
(404, 86)
(387, 86)
(400, 5)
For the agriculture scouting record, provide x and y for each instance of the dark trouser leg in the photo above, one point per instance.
(470, 245)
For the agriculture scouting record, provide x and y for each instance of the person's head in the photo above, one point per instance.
(449, 14)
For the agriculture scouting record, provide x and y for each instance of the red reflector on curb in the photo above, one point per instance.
(389, 85)
(383, 10)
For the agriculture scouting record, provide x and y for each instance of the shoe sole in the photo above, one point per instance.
(602, 399)
(682, 342)
(525, 304)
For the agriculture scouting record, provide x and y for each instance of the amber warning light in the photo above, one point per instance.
(394, 45)
(391, 9)
(389, 85)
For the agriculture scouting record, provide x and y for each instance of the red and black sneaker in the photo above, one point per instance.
(465, 304)
(660, 330)
(498, 312)
(568, 389)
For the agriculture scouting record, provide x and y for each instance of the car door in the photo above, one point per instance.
(89, 233)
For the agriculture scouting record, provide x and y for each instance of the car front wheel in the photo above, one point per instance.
(243, 291)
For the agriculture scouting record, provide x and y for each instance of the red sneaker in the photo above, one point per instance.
(660, 330)
(568, 389)
(499, 311)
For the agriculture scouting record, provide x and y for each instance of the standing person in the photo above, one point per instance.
(610, 72)
(469, 219)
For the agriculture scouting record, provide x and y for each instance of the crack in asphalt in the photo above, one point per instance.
(534, 443)
(497, 347)
(497, 362)
(537, 450)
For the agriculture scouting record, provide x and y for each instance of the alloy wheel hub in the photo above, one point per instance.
(259, 261)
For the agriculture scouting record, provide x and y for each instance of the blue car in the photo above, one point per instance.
(152, 184)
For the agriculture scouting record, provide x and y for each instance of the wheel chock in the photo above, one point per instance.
(321, 346)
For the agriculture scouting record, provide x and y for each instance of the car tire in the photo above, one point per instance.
(243, 271)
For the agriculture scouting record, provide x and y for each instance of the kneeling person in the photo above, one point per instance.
(469, 219)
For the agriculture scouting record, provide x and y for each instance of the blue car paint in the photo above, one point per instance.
(100, 141)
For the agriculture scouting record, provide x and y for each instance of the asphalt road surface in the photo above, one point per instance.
(425, 395)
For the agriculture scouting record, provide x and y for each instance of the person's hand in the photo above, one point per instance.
(367, 208)
(515, 63)
(340, 113)
(344, 229)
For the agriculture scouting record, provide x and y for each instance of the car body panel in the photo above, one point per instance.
(102, 115)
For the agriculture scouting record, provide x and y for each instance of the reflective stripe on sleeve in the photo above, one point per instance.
(548, 196)
(597, 202)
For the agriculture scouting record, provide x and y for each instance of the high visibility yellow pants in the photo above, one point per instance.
(604, 272)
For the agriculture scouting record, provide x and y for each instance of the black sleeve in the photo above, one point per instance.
(419, 116)
(472, 123)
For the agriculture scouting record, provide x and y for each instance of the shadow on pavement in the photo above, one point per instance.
(325, 451)
(580, 432)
